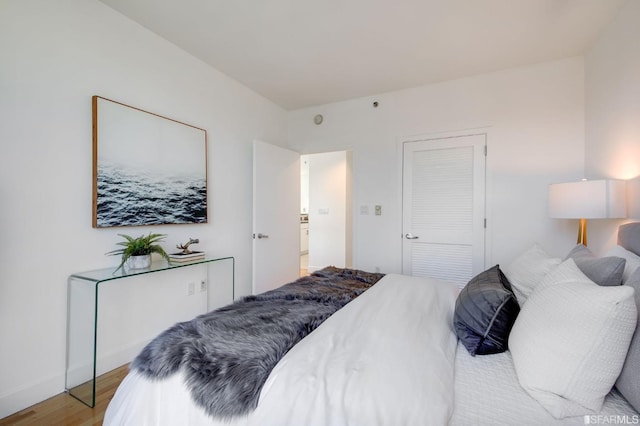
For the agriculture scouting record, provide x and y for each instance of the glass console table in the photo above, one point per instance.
(82, 319)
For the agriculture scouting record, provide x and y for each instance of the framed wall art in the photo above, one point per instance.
(147, 169)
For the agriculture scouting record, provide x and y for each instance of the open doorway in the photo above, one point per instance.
(325, 211)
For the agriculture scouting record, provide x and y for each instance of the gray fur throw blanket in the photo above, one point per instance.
(227, 354)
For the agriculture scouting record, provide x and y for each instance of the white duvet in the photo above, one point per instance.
(386, 358)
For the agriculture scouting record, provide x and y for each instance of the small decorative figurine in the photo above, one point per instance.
(185, 247)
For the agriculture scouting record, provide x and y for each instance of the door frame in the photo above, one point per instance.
(472, 131)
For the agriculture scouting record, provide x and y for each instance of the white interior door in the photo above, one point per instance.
(444, 208)
(276, 216)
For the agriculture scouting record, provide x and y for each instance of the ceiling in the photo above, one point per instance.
(299, 53)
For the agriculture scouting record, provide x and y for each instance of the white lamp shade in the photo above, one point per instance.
(589, 199)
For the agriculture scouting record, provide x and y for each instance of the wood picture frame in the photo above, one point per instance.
(147, 169)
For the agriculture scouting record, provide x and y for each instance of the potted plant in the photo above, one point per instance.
(136, 252)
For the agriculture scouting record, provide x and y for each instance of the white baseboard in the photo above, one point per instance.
(28, 395)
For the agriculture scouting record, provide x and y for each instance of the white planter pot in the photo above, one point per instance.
(138, 262)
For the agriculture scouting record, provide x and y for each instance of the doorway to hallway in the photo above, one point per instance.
(325, 211)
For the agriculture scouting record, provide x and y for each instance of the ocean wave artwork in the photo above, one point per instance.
(149, 169)
(130, 197)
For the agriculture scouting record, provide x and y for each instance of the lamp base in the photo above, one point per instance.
(582, 232)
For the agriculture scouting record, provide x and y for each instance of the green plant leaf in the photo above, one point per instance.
(143, 245)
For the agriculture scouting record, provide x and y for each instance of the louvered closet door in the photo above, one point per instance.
(443, 208)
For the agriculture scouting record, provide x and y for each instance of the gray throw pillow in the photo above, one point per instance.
(628, 382)
(605, 271)
(629, 237)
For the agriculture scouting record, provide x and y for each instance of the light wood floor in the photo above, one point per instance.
(66, 410)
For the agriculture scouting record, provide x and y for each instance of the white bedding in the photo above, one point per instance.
(487, 393)
(390, 357)
(387, 358)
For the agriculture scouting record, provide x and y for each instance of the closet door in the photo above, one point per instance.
(444, 208)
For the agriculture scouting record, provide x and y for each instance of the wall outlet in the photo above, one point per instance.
(378, 210)
(191, 289)
(203, 286)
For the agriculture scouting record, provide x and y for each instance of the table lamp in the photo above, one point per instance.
(588, 199)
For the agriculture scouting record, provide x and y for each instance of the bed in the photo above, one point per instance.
(540, 341)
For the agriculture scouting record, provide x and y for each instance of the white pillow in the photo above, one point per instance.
(633, 261)
(528, 270)
(570, 341)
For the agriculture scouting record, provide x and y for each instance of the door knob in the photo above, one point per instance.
(410, 236)
(261, 236)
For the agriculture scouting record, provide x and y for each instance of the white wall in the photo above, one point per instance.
(330, 214)
(534, 117)
(55, 56)
(613, 110)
